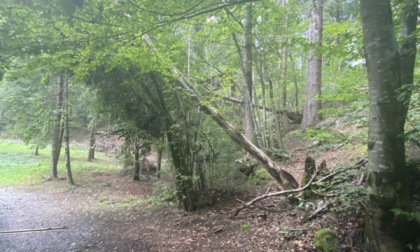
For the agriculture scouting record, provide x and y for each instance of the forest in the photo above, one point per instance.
(210, 125)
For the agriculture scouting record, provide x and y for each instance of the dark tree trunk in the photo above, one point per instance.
(159, 162)
(57, 136)
(312, 106)
(92, 142)
(137, 161)
(36, 150)
(66, 134)
(388, 70)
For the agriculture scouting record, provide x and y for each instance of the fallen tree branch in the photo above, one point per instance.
(360, 163)
(32, 230)
(273, 194)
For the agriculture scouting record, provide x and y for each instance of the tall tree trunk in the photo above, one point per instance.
(58, 128)
(388, 70)
(159, 161)
(246, 67)
(312, 105)
(66, 133)
(262, 117)
(136, 160)
(283, 57)
(92, 141)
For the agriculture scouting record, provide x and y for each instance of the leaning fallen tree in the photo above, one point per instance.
(285, 179)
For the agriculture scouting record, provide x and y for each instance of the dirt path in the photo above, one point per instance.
(108, 212)
(87, 230)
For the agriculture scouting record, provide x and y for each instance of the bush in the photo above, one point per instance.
(326, 240)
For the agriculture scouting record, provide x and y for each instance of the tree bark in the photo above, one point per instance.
(58, 129)
(247, 86)
(387, 170)
(312, 105)
(92, 141)
(66, 133)
(159, 162)
(136, 160)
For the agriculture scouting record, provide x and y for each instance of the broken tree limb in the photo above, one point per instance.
(362, 162)
(273, 194)
(358, 164)
(285, 179)
(32, 230)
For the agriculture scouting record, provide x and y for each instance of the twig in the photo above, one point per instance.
(32, 230)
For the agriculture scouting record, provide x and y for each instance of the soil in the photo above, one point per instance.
(110, 212)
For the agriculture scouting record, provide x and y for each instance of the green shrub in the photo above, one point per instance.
(326, 240)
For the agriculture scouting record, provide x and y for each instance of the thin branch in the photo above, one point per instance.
(32, 230)
(205, 11)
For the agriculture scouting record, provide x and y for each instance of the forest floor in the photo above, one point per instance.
(110, 212)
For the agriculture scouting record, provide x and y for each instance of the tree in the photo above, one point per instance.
(58, 131)
(246, 66)
(312, 105)
(92, 140)
(390, 76)
(66, 134)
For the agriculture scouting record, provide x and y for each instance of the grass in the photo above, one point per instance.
(19, 166)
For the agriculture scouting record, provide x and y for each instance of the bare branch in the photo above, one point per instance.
(32, 230)
(273, 194)
(358, 164)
